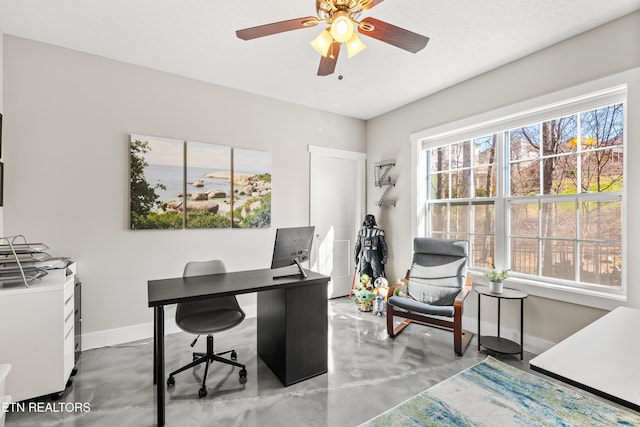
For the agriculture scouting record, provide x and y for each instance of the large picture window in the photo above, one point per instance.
(543, 198)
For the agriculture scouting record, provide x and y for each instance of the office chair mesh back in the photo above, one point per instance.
(212, 315)
(438, 270)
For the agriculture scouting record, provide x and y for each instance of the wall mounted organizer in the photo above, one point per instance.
(383, 180)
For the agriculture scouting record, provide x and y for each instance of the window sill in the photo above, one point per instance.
(586, 297)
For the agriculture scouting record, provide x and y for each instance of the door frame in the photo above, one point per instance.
(317, 152)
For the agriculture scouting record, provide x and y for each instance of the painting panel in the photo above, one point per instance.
(251, 189)
(208, 183)
(157, 183)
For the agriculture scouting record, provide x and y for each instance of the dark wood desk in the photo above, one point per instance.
(292, 319)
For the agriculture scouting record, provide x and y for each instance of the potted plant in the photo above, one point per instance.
(496, 277)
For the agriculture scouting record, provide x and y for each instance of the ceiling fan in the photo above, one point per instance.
(342, 18)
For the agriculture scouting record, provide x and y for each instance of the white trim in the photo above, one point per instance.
(141, 331)
(608, 89)
(535, 114)
(601, 90)
(334, 152)
(119, 336)
(581, 296)
(360, 159)
(418, 201)
(317, 152)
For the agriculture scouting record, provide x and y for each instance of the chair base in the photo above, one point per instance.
(208, 358)
(461, 337)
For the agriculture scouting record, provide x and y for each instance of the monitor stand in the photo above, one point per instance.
(291, 270)
(302, 272)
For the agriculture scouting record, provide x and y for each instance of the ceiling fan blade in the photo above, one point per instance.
(371, 4)
(388, 33)
(277, 27)
(328, 63)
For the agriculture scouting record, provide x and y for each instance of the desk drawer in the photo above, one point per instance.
(69, 303)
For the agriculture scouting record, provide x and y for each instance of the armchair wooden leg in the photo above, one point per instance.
(461, 338)
(401, 326)
(390, 320)
(464, 341)
(391, 331)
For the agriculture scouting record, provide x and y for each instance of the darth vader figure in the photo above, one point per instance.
(371, 249)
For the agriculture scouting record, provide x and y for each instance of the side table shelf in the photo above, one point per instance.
(497, 343)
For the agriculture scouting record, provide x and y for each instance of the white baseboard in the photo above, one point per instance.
(145, 331)
(138, 332)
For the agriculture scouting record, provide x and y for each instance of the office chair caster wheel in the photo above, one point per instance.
(171, 382)
(202, 392)
(56, 396)
(243, 376)
(234, 355)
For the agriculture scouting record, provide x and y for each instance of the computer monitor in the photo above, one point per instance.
(292, 247)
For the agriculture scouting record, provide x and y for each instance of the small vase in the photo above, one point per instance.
(495, 287)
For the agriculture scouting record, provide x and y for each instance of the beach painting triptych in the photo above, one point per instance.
(179, 184)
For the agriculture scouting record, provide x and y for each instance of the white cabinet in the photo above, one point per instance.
(37, 334)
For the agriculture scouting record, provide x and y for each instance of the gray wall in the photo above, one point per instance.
(68, 117)
(67, 120)
(1, 111)
(604, 51)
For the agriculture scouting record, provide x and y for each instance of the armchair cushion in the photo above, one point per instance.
(438, 271)
(419, 307)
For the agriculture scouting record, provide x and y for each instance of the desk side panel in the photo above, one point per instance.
(271, 330)
(292, 331)
(307, 327)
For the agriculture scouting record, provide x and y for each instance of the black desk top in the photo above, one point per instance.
(184, 289)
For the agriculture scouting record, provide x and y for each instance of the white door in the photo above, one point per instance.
(337, 180)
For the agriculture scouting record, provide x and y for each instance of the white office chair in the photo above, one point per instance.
(207, 317)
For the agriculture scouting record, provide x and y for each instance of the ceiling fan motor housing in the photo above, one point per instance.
(328, 10)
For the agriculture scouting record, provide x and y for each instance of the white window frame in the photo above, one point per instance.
(609, 90)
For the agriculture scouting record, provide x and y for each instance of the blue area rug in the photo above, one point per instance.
(492, 393)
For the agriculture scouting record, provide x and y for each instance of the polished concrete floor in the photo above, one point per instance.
(368, 374)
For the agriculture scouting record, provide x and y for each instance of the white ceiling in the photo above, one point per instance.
(196, 39)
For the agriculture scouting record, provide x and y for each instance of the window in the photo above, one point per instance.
(564, 198)
(539, 193)
(462, 191)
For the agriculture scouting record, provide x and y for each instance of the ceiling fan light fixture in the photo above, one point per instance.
(322, 43)
(341, 27)
(355, 45)
(341, 17)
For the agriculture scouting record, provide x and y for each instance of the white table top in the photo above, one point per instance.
(604, 356)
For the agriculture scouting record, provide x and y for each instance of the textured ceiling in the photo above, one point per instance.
(196, 38)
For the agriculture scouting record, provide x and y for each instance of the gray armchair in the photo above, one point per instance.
(437, 285)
